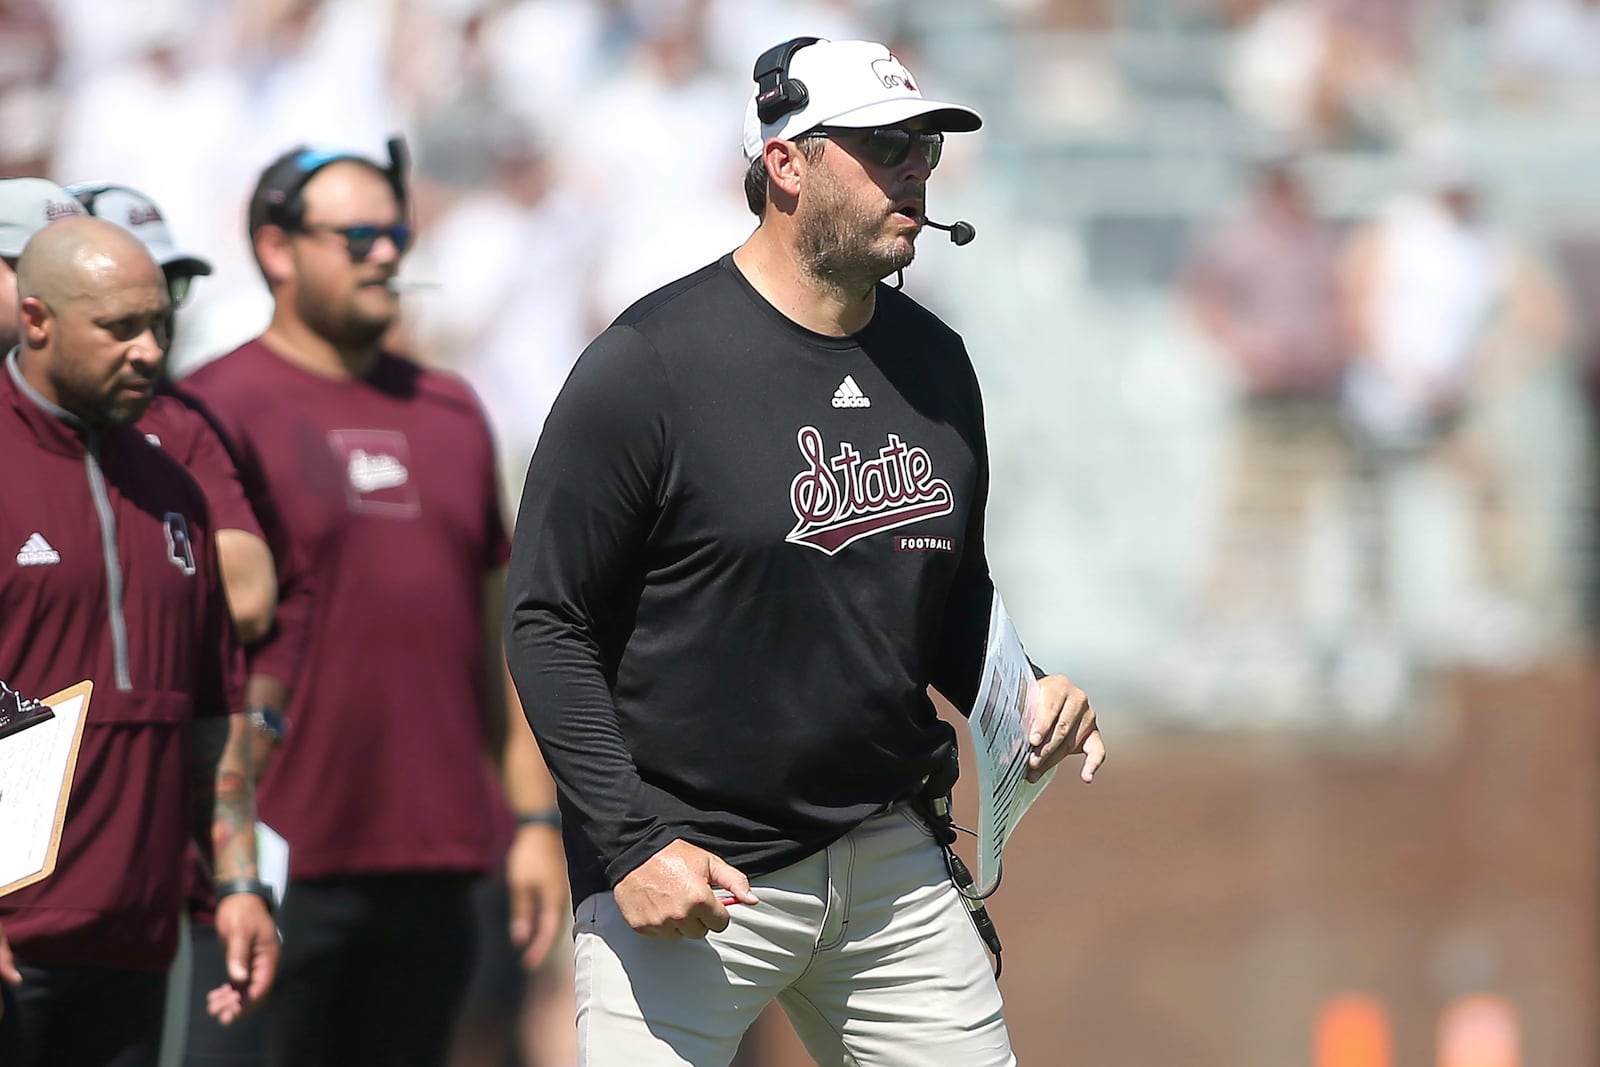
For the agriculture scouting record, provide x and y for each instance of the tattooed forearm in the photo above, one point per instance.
(233, 821)
(224, 795)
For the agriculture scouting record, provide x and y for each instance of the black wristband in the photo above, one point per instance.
(228, 887)
(547, 817)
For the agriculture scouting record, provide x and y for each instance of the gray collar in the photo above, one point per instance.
(14, 369)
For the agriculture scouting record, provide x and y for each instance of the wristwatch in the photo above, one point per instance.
(228, 887)
(267, 721)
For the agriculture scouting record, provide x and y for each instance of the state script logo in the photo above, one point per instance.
(378, 474)
(370, 472)
(839, 501)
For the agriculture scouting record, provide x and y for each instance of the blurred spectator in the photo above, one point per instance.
(517, 259)
(108, 121)
(1444, 306)
(29, 45)
(738, 29)
(162, 79)
(1273, 71)
(687, 213)
(1546, 51)
(299, 57)
(1262, 285)
(546, 54)
(29, 59)
(1336, 73)
(455, 101)
(1578, 250)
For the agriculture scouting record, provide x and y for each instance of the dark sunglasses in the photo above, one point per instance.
(359, 241)
(890, 145)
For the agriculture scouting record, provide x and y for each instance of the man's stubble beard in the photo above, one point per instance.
(343, 326)
(841, 246)
(114, 416)
(97, 404)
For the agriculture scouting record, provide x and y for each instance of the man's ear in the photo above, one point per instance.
(786, 166)
(274, 254)
(38, 322)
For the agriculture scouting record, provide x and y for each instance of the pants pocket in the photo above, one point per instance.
(586, 915)
(909, 814)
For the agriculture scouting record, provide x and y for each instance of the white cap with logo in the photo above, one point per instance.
(854, 84)
(27, 205)
(138, 214)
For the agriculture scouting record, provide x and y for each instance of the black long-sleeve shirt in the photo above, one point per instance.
(744, 551)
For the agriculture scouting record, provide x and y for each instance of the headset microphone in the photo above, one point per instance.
(960, 232)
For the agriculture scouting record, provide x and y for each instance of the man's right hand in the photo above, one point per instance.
(8, 965)
(672, 894)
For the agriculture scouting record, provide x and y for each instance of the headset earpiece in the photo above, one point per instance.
(777, 94)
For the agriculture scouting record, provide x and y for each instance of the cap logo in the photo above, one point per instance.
(893, 74)
(140, 214)
(60, 209)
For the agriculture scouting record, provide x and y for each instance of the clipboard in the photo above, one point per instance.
(36, 768)
(999, 721)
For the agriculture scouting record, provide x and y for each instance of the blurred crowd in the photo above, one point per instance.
(570, 155)
(574, 153)
(554, 142)
(1364, 357)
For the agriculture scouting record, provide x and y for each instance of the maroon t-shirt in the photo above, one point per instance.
(151, 632)
(383, 492)
(183, 433)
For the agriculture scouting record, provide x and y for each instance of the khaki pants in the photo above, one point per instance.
(866, 946)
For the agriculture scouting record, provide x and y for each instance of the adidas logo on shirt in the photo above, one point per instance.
(849, 395)
(37, 552)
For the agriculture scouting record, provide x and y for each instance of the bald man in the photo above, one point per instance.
(114, 579)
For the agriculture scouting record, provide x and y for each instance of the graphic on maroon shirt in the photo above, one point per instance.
(37, 552)
(839, 501)
(377, 466)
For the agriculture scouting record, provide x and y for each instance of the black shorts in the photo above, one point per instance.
(83, 1016)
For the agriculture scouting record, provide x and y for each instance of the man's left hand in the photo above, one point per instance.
(249, 942)
(536, 875)
(1063, 724)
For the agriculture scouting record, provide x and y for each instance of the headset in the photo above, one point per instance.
(278, 202)
(777, 94)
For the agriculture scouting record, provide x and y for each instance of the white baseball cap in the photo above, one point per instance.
(138, 214)
(27, 205)
(855, 84)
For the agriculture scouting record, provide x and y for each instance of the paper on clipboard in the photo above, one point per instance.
(1000, 718)
(272, 860)
(36, 766)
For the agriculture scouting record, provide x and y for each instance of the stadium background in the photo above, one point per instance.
(1332, 832)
